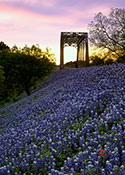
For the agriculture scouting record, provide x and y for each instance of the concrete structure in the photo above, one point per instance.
(78, 40)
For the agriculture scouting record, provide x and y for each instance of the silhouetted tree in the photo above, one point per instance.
(2, 79)
(21, 71)
(109, 32)
(3, 46)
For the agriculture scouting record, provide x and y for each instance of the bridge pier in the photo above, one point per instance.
(74, 39)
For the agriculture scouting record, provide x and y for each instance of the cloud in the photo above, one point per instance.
(21, 26)
(36, 6)
(60, 7)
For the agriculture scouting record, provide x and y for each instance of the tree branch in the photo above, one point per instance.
(110, 37)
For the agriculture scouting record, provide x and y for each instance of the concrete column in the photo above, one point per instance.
(78, 48)
(86, 50)
(62, 52)
(83, 52)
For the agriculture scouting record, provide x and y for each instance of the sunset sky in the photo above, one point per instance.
(41, 21)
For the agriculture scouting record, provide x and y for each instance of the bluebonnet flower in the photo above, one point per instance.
(122, 170)
(109, 166)
(66, 122)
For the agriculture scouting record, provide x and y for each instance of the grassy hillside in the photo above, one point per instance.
(73, 124)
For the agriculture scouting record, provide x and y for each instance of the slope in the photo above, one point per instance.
(62, 127)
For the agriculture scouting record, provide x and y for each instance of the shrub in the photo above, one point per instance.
(22, 71)
(96, 61)
(109, 61)
(121, 59)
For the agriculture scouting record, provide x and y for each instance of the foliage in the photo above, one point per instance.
(48, 54)
(121, 59)
(3, 46)
(109, 32)
(2, 79)
(36, 51)
(70, 64)
(75, 64)
(96, 61)
(109, 61)
(21, 71)
(103, 53)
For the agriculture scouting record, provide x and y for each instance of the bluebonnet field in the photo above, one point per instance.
(61, 128)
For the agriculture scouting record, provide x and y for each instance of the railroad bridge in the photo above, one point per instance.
(79, 40)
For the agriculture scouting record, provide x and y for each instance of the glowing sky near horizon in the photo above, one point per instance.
(41, 21)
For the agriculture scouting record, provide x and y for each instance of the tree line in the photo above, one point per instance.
(21, 68)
